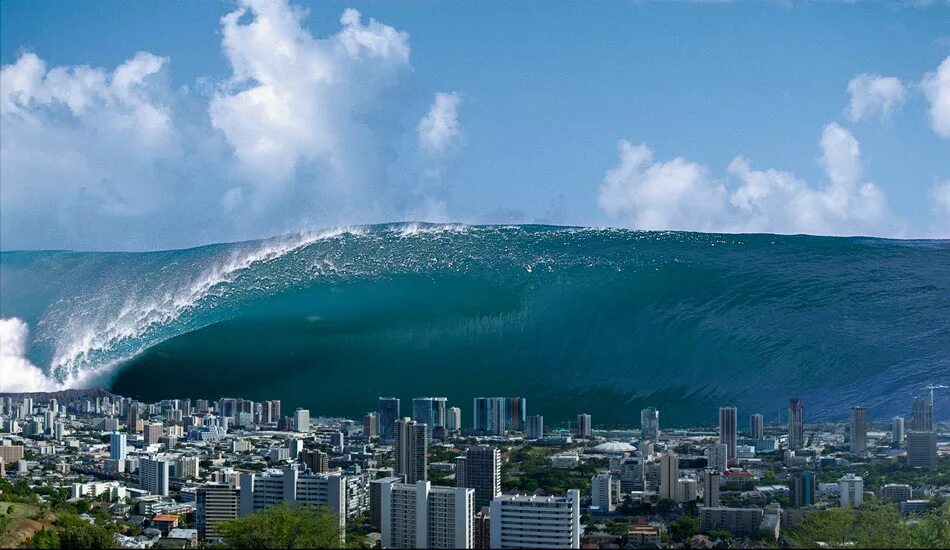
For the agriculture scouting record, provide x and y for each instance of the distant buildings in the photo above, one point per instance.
(728, 431)
(803, 488)
(717, 457)
(650, 424)
(430, 411)
(669, 474)
(922, 449)
(388, 414)
(851, 489)
(420, 515)
(410, 453)
(302, 420)
(480, 469)
(711, 480)
(520, 521)
(895, 492)
(583, 429)
(453, 419)
(757, 426)
(498, 415)
(535, 427)
(601, 492)
(152, 433)
(117, 446)
(858, 433)
(923, 415)
(738, 521)
(796, 424)
(897, 430)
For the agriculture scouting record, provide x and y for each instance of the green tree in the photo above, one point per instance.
(44, 538)
(75, 532)
(683, 528)
(284, 527)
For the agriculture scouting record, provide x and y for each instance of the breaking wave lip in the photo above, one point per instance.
(75, 359)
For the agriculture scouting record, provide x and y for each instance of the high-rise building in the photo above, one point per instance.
(583, 426)
(922, 449)
(601, 492)
(153, 475)
(521, 521)
(418, 515)
(897, 430)
(796, 424)
(480, 469)
(717, 457)
(117, 446)
(453, 419)
(301, 420)
(153, 431)
(711, 481)
(858, 435)
(388, 415)
(535, 427)
(216, 503)
(371, 425)
(669, 474)
(728, 431)
(376, 500)
(260, 491)
(134, 417)
(411, 450)
(429, 411)
(482, 529)
(516, 414)
(650, 424)
(482, 409)
(757, 426)
(498, 415)
(895, 492)
(803, 489)
(314, 460)
(923, 419)
(851, 488)
(270, 412)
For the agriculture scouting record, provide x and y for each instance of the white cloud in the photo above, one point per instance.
(17, 373)
(439, 130)
(296, 104)
(940, 194)
(681, 195)
(936, 87)
(874, 95)
(661, 195)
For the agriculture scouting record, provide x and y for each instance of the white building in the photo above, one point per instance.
(422, 516)
(851, 488)
(291, 486)
(453, 419)
(302, 420)
(717, 457)
(108, 489)
(521, 521)
(601, 492)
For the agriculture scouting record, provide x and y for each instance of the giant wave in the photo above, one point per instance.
(602, 321)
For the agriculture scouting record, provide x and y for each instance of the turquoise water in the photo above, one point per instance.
(576, 320)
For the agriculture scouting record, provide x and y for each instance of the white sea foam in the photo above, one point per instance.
(415, 228)
(17, 372)
(149, 309)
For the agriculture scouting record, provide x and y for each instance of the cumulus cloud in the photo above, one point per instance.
(681, 195)
(874, 95)
(439, 130)
(936, 87)
(17, 373)
(298, 107)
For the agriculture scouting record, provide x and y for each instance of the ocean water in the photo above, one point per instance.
(576, 320)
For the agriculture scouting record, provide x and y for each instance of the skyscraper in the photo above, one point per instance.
(897, 430)
(717, 457)
(601, 492)
(371, 425)
(453, 419)
(531, 521)
(535, 427)
(922, 449)
(858, 442)
(923, 420)
(516, 414)
(388, 414)
(728, 427)
(411, 450)
(429, 411)
(153, 475)
(301, 420)
(480, 469)
(796, 423)
(650, 424)
(217, 503)
(153, 431)
(669, 474)
(757, 426)
(482, 409)
(583, 426)
(803, 489)
(117, 446)
(711, 487)
(418, 515)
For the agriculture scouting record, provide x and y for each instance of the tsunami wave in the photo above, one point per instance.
(606, 319)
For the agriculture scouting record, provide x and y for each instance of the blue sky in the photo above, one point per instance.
(694, 116)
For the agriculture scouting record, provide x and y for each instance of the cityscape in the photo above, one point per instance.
(183, 473)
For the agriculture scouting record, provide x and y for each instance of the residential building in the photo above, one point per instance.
(796, 424)
(117, 446)
(717, 457)
(895, 492)
(669, 474)
(851, 490)
(711, 481)
(728, 431)
(410, 452)
(216, 503)
(521, 521)
(897, 430)
(650, 424)
(584, 430)
(535, 427)
(757, 426)
(418, 515)
(858, 432)
(388, 415)
(738, 521)
(301, 420)
(152, 432)
(153, 475)
(923, 415)
(922, 449)
(601, 492)
(803, 489)
(480, 469)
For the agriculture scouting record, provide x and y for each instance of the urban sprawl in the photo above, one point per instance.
(177, 473)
